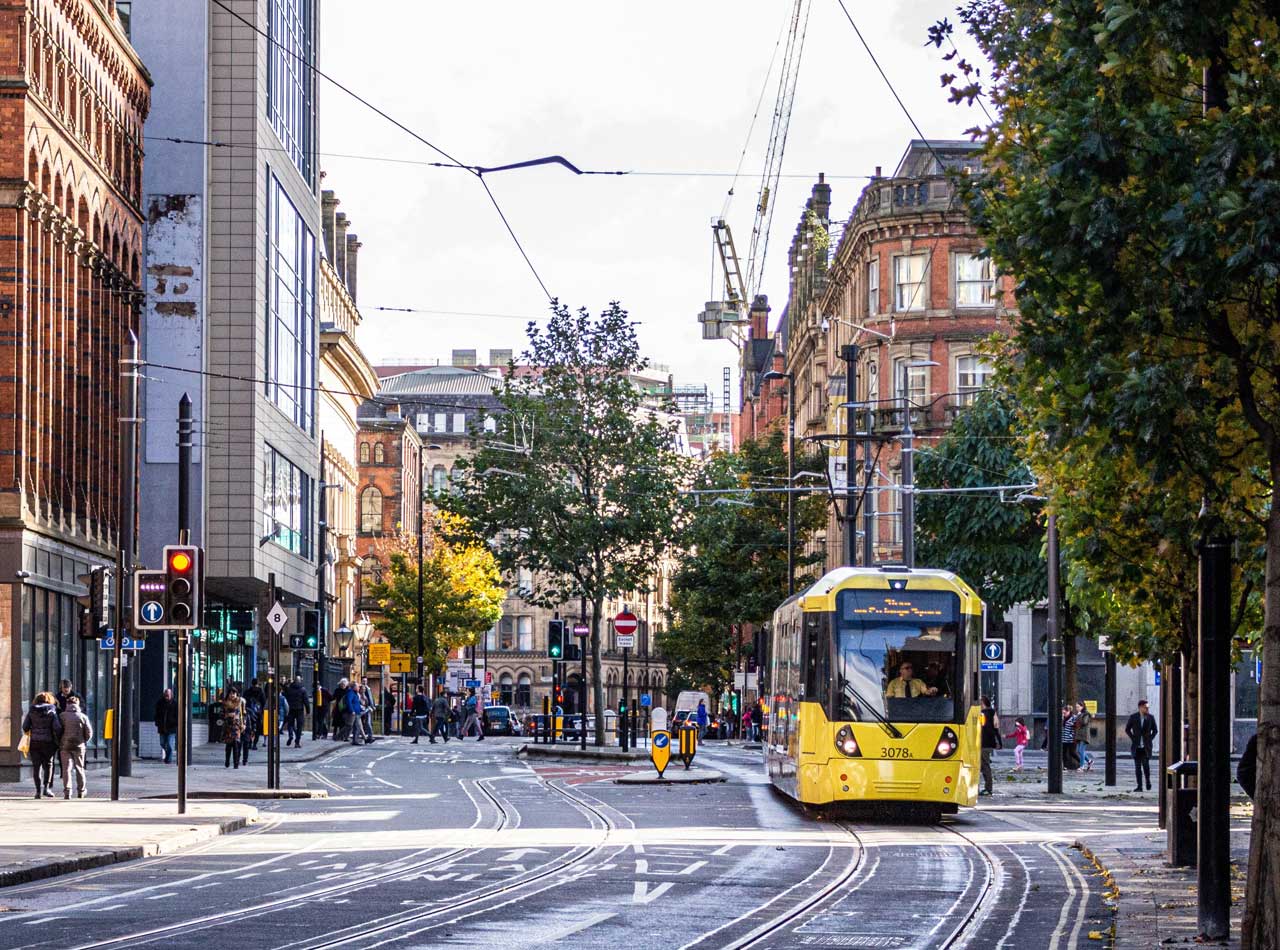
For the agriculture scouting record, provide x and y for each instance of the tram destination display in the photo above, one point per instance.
(903, 606)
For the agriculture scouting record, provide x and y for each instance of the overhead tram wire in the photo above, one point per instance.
(400, 125)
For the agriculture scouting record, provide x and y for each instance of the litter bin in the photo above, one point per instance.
(1180, 809)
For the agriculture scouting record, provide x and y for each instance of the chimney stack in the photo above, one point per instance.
(328, 205)
(353, 253)
(340, 245)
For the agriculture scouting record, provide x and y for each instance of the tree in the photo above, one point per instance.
(1131, 185)
(584, 488)
(461, 586)
(733, 563)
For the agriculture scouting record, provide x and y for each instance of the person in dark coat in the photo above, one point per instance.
(44, 725)
(66, 692)
(421, 712)
(166, 719)
(1141, 730)
(296, 696)
(1247, 770)
(990, 733)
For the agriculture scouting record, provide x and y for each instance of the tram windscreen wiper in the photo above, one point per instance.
(861, 700)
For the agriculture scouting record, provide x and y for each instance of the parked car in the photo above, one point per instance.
(501, 721)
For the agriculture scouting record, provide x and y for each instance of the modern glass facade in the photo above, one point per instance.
(286, 503)
(291, 80)
(291, 305)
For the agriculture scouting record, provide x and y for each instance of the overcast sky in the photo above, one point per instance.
(657, 87)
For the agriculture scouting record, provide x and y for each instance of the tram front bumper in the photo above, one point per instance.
(945, 781)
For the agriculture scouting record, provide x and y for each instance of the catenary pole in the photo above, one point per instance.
(1054, 712)
(182, 687)
(1213, 822)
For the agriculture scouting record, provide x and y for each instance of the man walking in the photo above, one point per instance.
(440, 717)
(1141, 730)
(296, 696)
(473, 717)
(355, 712)
(76, 733)
(166, 719)
(421, 710)
(990, 742)
(366, 705)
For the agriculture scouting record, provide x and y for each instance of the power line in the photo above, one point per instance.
(398, 124)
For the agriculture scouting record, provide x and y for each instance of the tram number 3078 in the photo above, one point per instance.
(887, 753)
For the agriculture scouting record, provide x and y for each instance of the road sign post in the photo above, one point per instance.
(688, 744)
(660, 750)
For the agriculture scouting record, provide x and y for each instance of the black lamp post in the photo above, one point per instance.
(791, 474)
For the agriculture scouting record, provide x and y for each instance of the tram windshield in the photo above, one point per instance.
(897, 655)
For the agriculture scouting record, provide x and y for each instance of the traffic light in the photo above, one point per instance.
(182, 585)
(311, 630)
(572, 652)
(94, 613)
(555, 639)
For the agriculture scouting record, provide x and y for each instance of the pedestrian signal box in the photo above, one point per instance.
(150, 601)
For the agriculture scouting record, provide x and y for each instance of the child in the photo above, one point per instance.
(1020, 736)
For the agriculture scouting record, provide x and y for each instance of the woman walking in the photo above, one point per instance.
(232, 727)
(1069, 739)
(44, 727)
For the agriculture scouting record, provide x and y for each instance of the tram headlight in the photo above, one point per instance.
(948, 742)
(846, 744)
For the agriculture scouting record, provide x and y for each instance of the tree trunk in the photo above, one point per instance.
(1262, 897)
(597, 681)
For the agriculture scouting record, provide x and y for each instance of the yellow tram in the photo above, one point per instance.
(873, 682)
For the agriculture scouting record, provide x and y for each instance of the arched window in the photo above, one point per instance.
(364, 452)
(506, 689)
(371, 510)
(439, 478)
(524, 691)
(379, 453)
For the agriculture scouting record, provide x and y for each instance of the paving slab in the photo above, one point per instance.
(671, 777)
(55, 836)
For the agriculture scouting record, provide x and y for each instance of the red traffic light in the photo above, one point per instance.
(180, 561)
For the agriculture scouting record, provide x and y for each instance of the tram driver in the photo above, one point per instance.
(906, 686)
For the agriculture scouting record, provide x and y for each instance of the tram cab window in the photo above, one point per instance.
(897, 656)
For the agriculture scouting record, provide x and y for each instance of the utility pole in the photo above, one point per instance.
(268, 636)
(1213, 823)
(422, 487)
(1109, 688)
(183, 685)
(582, 685)
(121, 750)
(849, 353)
(322, 608)
(1055, 665)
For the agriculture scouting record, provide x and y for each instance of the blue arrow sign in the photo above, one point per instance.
(661, 739)
(646, 700)
(993, 651)
(152, 611)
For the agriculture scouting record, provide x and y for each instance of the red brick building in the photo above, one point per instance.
(72, 106)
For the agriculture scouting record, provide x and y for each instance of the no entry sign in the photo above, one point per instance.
(626, 623)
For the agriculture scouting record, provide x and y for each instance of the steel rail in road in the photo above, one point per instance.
(402, 926)
(290, 898)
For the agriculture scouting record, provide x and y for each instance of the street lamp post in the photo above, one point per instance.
(422, 507)
(791, 474)
(344, 635)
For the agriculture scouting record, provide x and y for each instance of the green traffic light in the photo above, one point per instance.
(555, 651)
(312, 642)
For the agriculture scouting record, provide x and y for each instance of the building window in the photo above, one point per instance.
(371, 511)
(490, 424)
(895, 522)
(379, 453)
(291, 350)
(973, 374)
(439, 478)
(524, 633)
(364, 452)
(524, 582)
(908, 282)
(370, 574)
(916, 379)
(506, 689)
(524, 690)
(507, 633)
(491, 638)
(460, 422)
(286, 508)
(975, 281)
(290, 81)
(438, 422)
(873, 287)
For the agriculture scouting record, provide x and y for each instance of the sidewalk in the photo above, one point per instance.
(54, 836)
(1155, 904)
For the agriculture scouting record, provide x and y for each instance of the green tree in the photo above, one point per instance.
(1131, 185)
(462, 593)
(733, 563)
(583, 488)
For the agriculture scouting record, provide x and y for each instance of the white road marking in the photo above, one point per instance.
(385, 782)
(643, 895)
(571, 929)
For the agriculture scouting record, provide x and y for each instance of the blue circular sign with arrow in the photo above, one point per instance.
(151, 612)
(661, 740)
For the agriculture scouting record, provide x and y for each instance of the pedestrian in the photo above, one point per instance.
(1247, 770)
(233, 727)
(702, 718)
(43, 728)
(1020, 736)
(440, 711)
(757, 720)
(255, 700)
(166, 720)
(366, 706)
(990, 742)
(1141, 730)
(455, 717)
(341, 716)
(295, 695)
(65, 694)
(472, 717)
(1069, 760)
(355, 713)
(1083, 719)
(388, 711)
(77, 730)
(421, 712)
